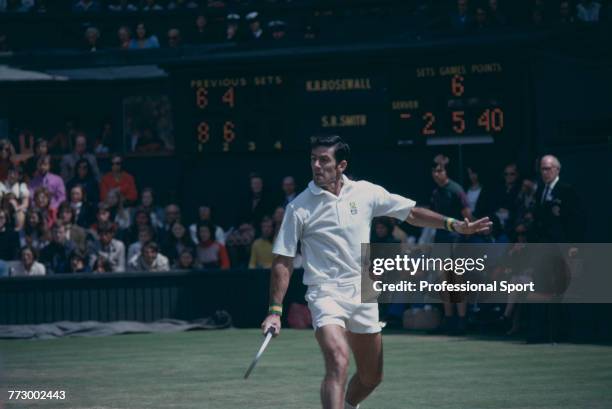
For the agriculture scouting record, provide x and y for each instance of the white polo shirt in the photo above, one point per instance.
(331, 228)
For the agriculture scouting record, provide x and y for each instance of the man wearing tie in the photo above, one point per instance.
(558, 214)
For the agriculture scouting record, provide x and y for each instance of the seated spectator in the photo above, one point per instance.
(74, 232)
(102, 265)
(78, 262)
(278, 30)
(124, 34)
(258, 202)
(149, 259)
(261, 249)
(232, 30)
(56, 255)
(122, 6)
(86, 6)
(383, 231)
(147, 204)
(70, 160)
(90, 191)
(102, 216)
(185, 261)
(52, 183)
(28, 266)
(202, 32)
(182, 5)
(145, 234)
(205, 215)
(109, 248)
(9, 240)
(118, 179)
(41, 148)
(7, 155)
(176, 241)
(42, 204)
(84, 213)
(15, 219)
(92, 37)
(289, 192)
(35, 233)
(141, 220)
(239, 245)
(255, 30)
(174, 38)
(119, 214)
(142, 41)
(14, 185)
(172, 214)
(479, 199)
(151, 5)
(210, 253)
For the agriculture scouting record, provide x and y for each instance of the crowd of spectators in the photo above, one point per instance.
(216, 21)
(62, 215)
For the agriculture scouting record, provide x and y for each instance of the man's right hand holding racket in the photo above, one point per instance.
(271, 321)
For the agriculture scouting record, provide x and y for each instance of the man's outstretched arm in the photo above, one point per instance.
(422, 217)
(280, 274)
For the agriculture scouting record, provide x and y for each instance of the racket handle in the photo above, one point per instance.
(271, 330)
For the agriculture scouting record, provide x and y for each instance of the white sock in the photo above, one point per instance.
(349, 406)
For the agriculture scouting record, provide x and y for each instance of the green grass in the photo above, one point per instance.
(204, 370)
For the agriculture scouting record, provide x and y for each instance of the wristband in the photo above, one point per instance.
(275, 309)
(449, 224)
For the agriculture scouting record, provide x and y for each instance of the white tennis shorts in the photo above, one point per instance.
(340, 304)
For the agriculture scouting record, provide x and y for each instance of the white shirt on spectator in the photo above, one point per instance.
(36, 269)
(331, 228)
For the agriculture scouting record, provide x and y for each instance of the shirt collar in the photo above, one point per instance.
(553, 183)
(316, 190)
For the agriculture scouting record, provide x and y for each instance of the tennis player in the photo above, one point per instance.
(331, 218)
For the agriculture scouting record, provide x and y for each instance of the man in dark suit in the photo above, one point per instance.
(558, 212)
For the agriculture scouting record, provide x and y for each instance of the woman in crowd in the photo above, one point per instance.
(143, 41)
(85, 178)
(119, 214)
(28, 266)
(42, 204)
(177, 241)
(35, 232)
(41, 148)
(15, 218)
(185, 261)
(147, 204)
(210, 253)
(15, 185)
(205, 215)
(141, 220)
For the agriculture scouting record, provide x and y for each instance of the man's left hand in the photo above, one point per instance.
(467, 227)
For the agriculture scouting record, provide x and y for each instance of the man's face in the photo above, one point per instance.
(267, 229)
(144, 236)
(80, 145)
(149, 255)
(147, 198)
(289, 185)
(44, 167)
(42, 200)
(103, 215)
(256, 185)
(186, 259)
(172, 213)
(510, 174)
(548, 169)
(140, 31)
(201, 22)
(76, 195)
(204, 212)
(381, 230)
(123, 35)
(66, 216)
(439, 175)
(42, 149)
(324, 168)
(27, 258)
(106, 238)
(204, 234)
(59, 234)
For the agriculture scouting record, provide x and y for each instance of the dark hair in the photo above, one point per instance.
(77, 253)
(106, 227)
(32, 250)
(65, 207)
(341, 149)
(151, 245)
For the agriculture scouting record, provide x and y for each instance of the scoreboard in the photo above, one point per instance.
(388, 104)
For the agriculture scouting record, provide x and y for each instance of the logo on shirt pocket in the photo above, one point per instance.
(353, 207)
